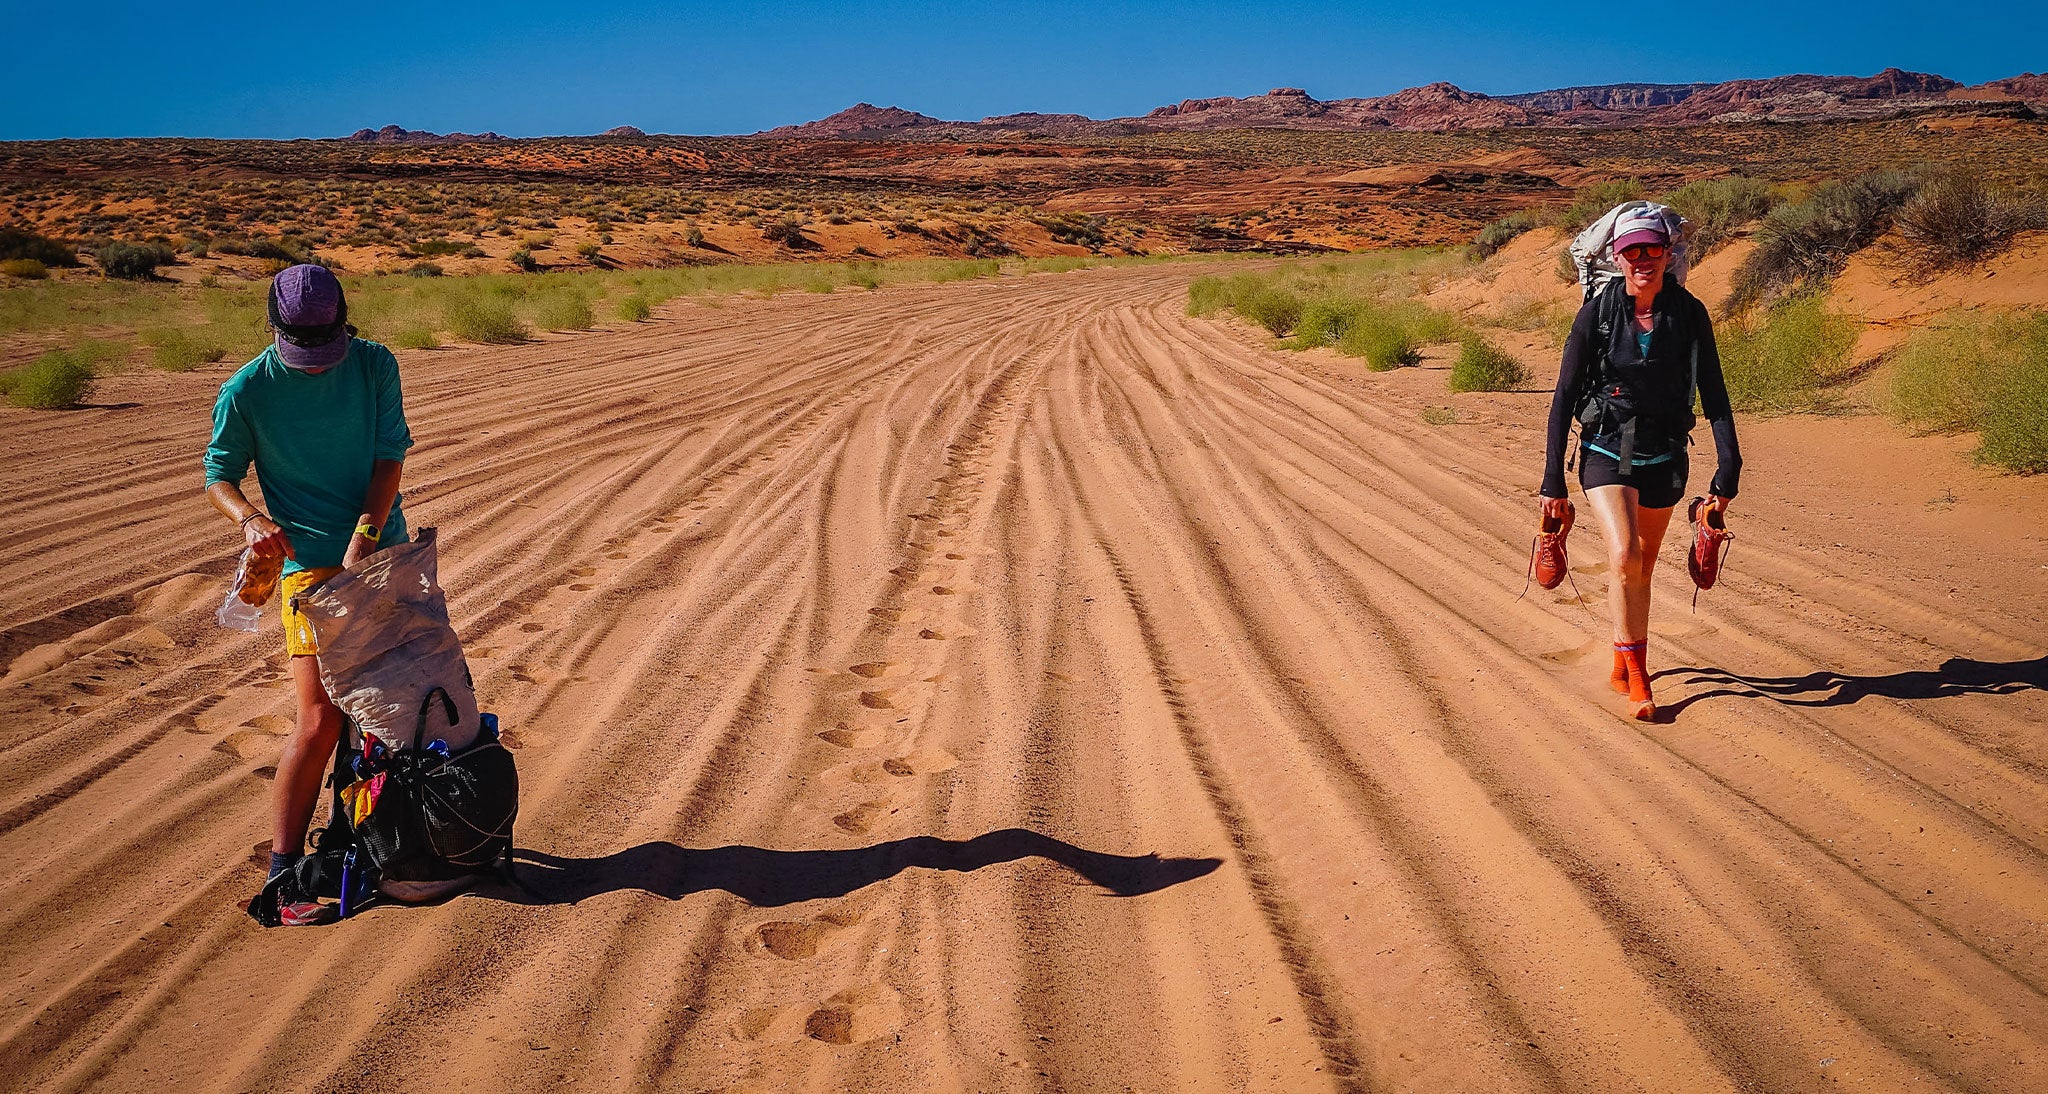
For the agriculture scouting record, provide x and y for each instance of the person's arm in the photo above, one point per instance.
(228, 454)
(377, 501)
(1720, 416)
(1570, 374)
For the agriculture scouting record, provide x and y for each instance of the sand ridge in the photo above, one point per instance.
(1018, 685)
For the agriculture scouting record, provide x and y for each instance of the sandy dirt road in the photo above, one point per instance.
(1017, 685)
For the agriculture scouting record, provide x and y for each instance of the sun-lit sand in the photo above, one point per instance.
(1019, 685)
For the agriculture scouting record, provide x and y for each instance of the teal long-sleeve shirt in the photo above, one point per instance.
(314, 440)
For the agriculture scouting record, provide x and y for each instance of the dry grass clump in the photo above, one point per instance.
(1807, 242)
(1497, 234)
(176, 350)
(1717, 207)
(1359, 306)
(54, 381)
(1984, 375)
(1956, 220)
(1777, 362)
(486, 318)
(27, 269)
(1483, 366)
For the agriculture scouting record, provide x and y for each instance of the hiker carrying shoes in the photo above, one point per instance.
(1639, 349)
(320, 414)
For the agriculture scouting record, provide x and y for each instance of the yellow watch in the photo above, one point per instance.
(367, 532)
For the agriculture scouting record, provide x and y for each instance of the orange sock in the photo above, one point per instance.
(1618, 679)
(1637, 656)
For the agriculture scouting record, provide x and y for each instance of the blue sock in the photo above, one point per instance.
(282, 861)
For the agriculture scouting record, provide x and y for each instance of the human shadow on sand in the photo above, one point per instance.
(769, 878)
(1956, 676)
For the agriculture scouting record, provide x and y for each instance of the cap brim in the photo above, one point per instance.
(1640, 235)
(312, 357)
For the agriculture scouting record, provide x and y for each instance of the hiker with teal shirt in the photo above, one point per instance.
(1639, 350)
(320, 415)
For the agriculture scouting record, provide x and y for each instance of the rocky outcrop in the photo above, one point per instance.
(627, 131)
(860, 120)
(392, 134)
(1444, 106)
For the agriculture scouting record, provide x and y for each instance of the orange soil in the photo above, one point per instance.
(863, 650)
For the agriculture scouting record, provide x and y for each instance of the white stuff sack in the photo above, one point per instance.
(386, 644)
(1593, 253)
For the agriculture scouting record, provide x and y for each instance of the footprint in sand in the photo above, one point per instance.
(583, 571)
(265, 773)
(895, 615)
(796, 940)
(923, 761)
(857, 1014)
(849, 736)
(1571, 656)
(581, 587)
(878, 700)
(871, 670)
(862, 818)
(618, 554)
(532, 628)
(247, 744)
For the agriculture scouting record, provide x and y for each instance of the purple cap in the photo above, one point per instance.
(1641, 225)
(310, 316)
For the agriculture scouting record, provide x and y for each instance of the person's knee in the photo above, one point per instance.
(319, 722)
(1627, 561)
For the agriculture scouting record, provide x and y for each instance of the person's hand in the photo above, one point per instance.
(359, 548)
(265, 539)
(1717, 504)
(1556, 508)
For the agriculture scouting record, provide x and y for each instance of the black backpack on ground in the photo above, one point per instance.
(437, 817)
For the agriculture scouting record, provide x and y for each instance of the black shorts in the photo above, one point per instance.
(1658, 485)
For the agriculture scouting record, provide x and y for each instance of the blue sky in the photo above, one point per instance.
(239, 69)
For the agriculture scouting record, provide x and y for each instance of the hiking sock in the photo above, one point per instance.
(1618, 679)
(280, 861)
(1637, 656)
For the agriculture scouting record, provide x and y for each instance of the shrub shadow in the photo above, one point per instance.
(771, 878)
(1955, 676)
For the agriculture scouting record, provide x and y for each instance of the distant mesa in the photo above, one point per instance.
(1444, 106)
(392, 134)
(859, 120)
(623, 131)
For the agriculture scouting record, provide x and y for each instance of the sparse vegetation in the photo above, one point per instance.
(564, 309)
(1957, 219)
(635, 309)
(1778, 361)
(1984, 375)
(1808, 242)
(523, 259)
(57, 379)
(1717, 207)
(133, 261)
(175, 350)
(1356, 305)
(1595, 200)
(27, 269)
(1483, 366)
(1499, 233)
(16, 243)
(484, 317)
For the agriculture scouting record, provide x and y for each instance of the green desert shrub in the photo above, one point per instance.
(1717, 207)
(484, 318)
(22, 243)
(563, 310)
(1810, 241)
(416, 338)
(181, 351)
(1483, 366)
(1956, 219)
(1987, 375)
(1777, 362)
(523, 259)
(635, 309)
(57, 379)
(1324, 319)
(1381, 344)
(27, 269)
(1271, 307)
(1588, 205)
(133, 261)
(1500, 232)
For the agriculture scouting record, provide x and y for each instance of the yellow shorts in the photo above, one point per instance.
(299, 640)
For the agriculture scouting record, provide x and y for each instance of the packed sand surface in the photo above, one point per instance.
(1018, 685)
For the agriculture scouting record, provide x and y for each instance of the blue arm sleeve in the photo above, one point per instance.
(232, 447)
(394, 437)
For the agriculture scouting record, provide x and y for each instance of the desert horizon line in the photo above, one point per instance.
(896, 117)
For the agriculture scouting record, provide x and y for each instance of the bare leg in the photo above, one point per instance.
(1619, 517)
(297, 787)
